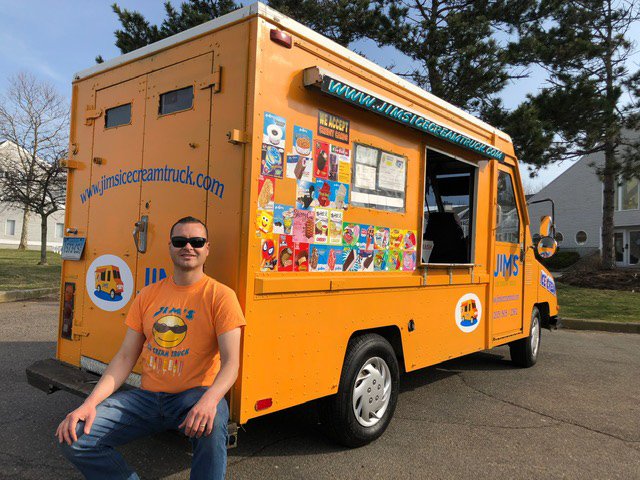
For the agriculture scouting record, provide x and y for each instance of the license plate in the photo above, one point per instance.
(72, 248)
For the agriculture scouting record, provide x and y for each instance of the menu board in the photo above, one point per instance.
(379, 179)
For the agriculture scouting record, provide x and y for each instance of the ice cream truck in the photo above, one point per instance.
(367, 227)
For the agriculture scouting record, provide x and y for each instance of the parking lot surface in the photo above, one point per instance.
(576, 414)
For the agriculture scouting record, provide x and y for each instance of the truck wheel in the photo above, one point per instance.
(112, 294)
(524, 352)
(362, 409)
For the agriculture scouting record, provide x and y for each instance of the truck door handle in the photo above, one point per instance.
(140, 233)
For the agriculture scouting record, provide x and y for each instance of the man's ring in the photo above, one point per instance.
(204, 425)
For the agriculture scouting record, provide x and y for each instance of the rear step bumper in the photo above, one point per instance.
(51, 375)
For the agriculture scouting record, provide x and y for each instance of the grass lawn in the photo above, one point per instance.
(19, 270)
(589, 303)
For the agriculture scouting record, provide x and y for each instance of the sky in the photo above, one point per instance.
(55, 39)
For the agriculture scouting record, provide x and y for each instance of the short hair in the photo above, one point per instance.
(189, 220)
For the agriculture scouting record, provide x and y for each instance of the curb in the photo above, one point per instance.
(599, 325)
(17, 295)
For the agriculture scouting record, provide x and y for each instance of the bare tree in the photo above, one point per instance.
(34, 117)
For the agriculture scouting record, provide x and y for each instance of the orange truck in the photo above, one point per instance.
(367, 227)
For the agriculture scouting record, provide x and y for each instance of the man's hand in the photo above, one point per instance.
(66, 431)
(200, 418)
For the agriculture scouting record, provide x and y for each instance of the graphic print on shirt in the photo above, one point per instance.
(169, 331)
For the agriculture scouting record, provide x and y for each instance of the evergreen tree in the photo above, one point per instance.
(584, 47)
(343, 21)
(137, 32)
(455, 46)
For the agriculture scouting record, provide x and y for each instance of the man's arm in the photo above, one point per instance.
(114, 376)
(204, 412)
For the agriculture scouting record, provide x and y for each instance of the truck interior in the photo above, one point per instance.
(448, 209)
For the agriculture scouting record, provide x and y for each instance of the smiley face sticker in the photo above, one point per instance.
(169, 331)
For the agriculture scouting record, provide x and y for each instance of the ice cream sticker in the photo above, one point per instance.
(335, 227)
(397, 239)
(332, 194)
(302, 140)
(350, 259)
(299, 167)
(283, 219)
(301, 257)
(306, 195)
(321, 225)
(394, 260)
(285, 253)
(381, 238)
(339, 164)
(269, 255)
(303, 226)
(350, 234)
(366, 260)
(365, 241)
(468, 313)
(266, 192)
(264, 222)
(275, 131)
(321, 159)
(272, 161)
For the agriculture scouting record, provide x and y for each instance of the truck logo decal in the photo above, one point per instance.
(153, 275)
(386, 108)
(507, 265)
(109, 283)
(547, 282)
(468, 313)
(183, 176)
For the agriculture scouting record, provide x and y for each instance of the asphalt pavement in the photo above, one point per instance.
(576, 414)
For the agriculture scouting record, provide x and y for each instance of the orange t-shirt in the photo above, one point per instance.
(181, 325)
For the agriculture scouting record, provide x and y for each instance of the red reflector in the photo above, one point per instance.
(263, 404)
(281, 38)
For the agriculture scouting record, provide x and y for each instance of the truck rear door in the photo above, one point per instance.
(150, 168)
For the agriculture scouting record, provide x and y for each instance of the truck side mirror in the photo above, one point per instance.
(546, 247)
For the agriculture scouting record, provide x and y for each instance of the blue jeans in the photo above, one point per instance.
(131, 414)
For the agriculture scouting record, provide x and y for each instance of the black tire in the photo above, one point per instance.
(99, 288)
(524, 352)
(113, 294)
(337, 413)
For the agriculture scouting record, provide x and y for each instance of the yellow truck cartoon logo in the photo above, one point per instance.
(109, 285)
(468, 313)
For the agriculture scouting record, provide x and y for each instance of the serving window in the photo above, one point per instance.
(449, 209)
(379, 179)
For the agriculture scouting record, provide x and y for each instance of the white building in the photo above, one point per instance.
(11, 220)
(577, 194)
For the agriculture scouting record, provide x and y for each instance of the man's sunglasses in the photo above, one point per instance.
(195, 242)
(162, 328)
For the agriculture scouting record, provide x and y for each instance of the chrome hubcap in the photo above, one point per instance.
(372, 392)
(535, 336)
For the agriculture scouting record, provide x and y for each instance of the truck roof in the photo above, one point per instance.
(262, 10)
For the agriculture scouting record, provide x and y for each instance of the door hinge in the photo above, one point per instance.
(91, 114)
(69, 164)
(214, 81)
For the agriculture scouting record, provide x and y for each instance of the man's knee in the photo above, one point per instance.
(80, 445)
